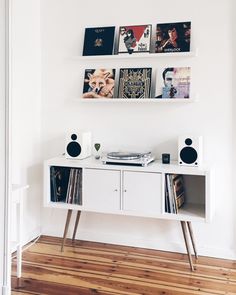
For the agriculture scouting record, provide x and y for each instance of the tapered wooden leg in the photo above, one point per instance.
(66, 228)
(185, 234)
(190, 229)
(76, 224)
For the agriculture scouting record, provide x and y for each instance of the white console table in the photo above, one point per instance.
(131, 190)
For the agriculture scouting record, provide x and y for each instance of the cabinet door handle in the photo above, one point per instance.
(116, 190)
(125, 190)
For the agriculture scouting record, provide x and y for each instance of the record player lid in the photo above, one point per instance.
(124, 155)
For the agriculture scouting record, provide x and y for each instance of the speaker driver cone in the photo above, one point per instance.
(73, 149)
(188, 155)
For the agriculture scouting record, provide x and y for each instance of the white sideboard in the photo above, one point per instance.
(131, 190)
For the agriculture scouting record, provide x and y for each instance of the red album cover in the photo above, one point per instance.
(134, 39)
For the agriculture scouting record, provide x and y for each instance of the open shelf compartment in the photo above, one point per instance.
(185, 195)
(65, 185)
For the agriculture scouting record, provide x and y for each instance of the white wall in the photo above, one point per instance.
(143, 126)
(26, 110)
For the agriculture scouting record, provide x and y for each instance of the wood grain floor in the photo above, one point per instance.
(87, 268)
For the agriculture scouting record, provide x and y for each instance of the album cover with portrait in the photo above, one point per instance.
(99, 83)
(135, 83)
(173, 37)
(134, 39)
(173, 83)
(98, 41)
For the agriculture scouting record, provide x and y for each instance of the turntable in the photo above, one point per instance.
(128, 158)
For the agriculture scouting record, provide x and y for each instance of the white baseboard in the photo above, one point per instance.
(32, 235)
(29, 237)
(217, 252)
(154, 244)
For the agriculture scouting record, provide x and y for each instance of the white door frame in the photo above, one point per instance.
(5, 158)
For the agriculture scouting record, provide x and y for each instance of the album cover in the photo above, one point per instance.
(133, 39)
(99, 83)
(173, 83)
(135, 83)
(173, 37)
(59, 177)
(98, 41)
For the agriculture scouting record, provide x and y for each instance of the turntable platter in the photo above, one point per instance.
(124, 156)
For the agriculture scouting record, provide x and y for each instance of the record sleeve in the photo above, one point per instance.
(173, 37)
(135, 83)
(98, 41)
(173, 83)
(134, 39)
(99, 83)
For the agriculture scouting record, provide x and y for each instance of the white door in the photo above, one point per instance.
(5, 252)
(101, 190)
(142, 192)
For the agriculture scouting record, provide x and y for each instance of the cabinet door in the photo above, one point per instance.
(101, 190)
(142, 192)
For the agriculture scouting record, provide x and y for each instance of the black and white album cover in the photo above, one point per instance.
(99, 83)
(133, 39)
(135, 83)
(173, 37)
(173, 83)
(98, 41)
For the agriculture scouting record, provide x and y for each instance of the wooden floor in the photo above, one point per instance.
(94, 268)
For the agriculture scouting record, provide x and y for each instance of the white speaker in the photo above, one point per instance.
(78, 145)
(190, 150)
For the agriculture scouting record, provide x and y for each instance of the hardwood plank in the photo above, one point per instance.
(177, 266)
(69, 279)
(20, 292)
(180, 280)
(44, 287)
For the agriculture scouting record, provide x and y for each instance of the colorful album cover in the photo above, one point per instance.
(99, 83)
(173, 83)
(135, 83)
(173, 37)
(133, 39)
(98, 41)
